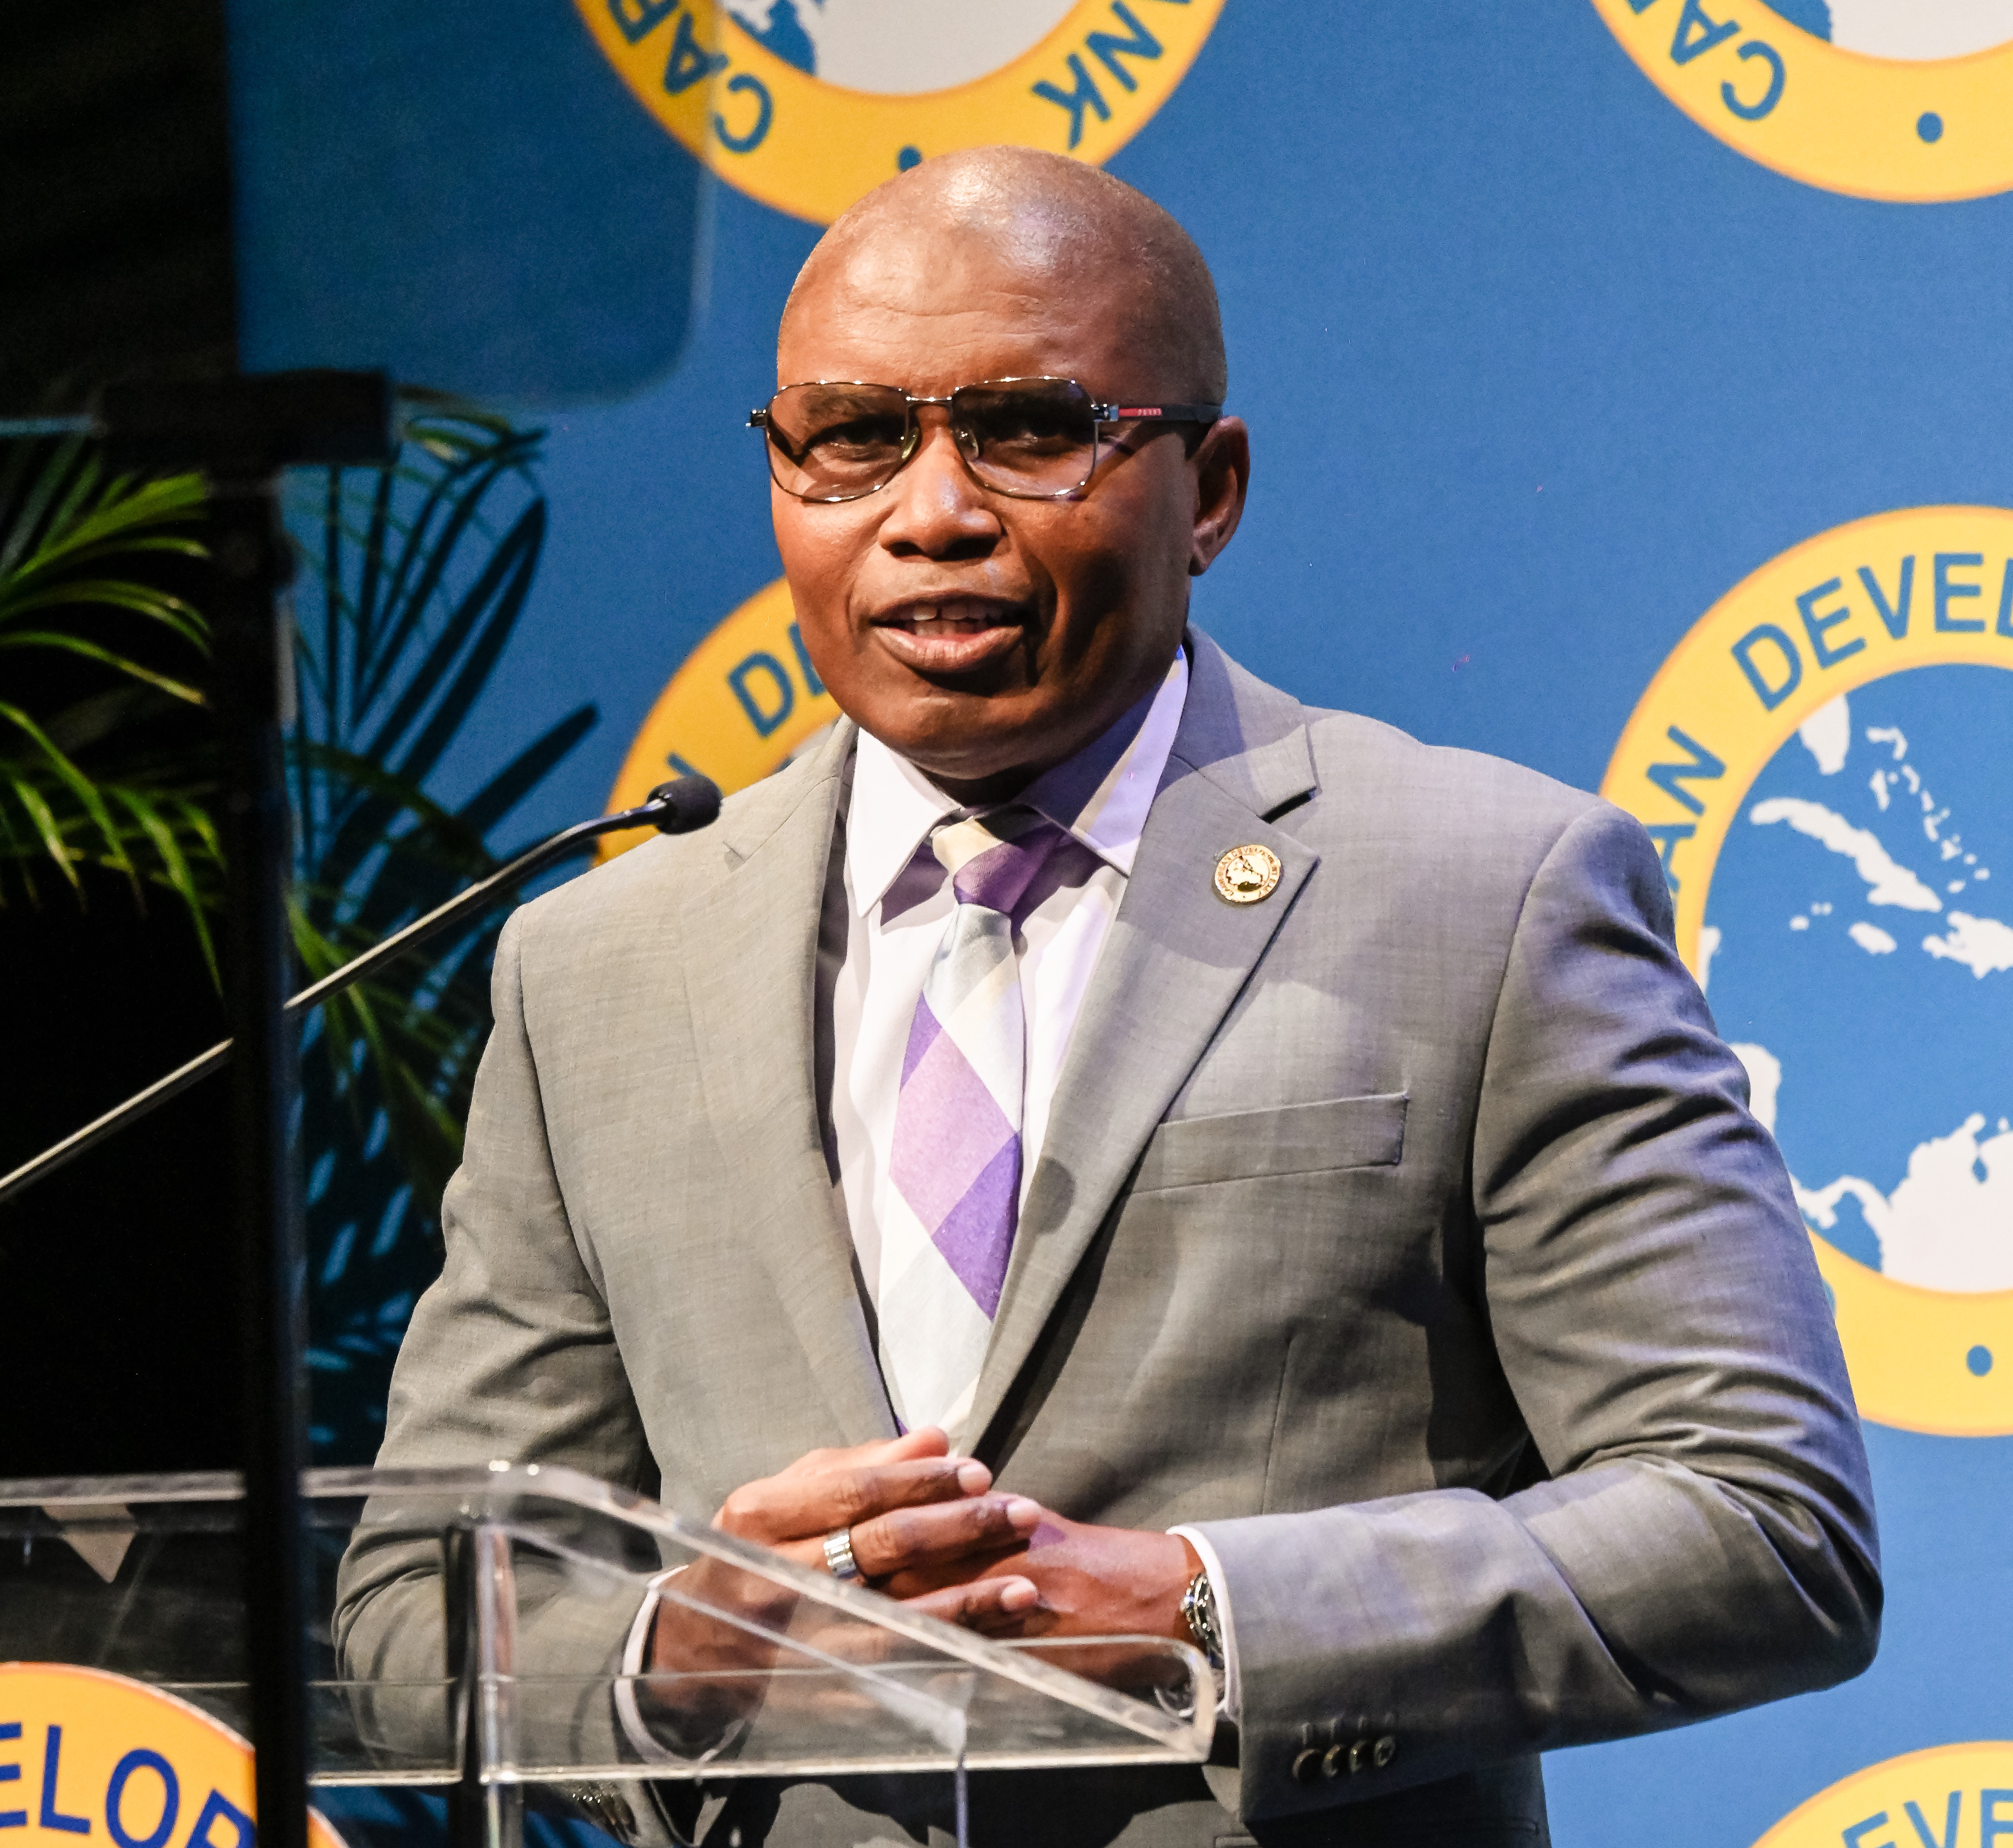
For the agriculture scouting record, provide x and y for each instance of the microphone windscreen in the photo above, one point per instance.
(694, 803)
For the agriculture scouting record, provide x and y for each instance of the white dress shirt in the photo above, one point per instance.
(899, 904)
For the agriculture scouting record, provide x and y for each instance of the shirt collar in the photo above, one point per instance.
(1101, 794)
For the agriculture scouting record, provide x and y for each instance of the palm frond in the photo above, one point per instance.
(78, 548)
(424, 571)
(94, 523)
(62, 641)
(21, 793)
(182, 836)
(87, 794)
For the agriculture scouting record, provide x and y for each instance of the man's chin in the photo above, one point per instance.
(981, 756)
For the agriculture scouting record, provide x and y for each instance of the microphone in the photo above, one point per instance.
(679, 807)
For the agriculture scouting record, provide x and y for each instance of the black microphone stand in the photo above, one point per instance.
(673, 808)
(242, 432)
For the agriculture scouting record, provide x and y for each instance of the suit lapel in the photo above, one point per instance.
(1175, 960)
(751, 937)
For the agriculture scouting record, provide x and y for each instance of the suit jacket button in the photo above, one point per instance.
(1307, 1766)
(1384, 1751)
(1333, 1761)
(1359, 1755)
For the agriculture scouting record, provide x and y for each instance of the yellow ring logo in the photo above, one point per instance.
(1920, 1797)
(808, 104)
(744, 702)
(1925, 587)
(1901, 100)
(84, 1752)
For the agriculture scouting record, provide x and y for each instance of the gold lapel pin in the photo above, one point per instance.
(1246, 874)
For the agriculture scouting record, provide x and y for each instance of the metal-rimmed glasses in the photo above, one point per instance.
(1034, 439)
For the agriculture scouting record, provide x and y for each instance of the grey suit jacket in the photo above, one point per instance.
(1407, 1230)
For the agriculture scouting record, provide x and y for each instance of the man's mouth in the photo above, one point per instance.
(950, 635)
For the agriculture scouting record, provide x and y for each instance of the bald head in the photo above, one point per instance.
(982, 632)
(1036, 227)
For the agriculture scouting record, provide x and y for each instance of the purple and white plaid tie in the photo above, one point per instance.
(956, 1164)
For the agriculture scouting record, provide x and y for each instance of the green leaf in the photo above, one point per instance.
(76, 644)
(120, 522)
(80, 786)
(67, 462)
(115, 593)
(75, 542)
(175, 864)
(42, 818)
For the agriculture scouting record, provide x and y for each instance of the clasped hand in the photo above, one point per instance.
(927, 1528)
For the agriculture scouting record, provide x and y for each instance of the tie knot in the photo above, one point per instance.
(992, 858)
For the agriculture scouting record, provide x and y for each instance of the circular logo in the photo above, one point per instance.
(745, 701)
(808, 104)
(1246, 874)
(82, 1752)
(1884, 99)
(1820, 763)
(1949, 1794)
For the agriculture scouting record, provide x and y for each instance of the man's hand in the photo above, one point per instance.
(924, 1528)
(911, 1508)
(1089, 1581)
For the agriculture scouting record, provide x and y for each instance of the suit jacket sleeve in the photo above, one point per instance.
(511, 1354)
(1705, 1539)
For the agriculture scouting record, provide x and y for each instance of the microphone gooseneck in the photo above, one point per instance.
(681, 806)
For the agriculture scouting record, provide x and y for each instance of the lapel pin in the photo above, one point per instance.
(1246, 874)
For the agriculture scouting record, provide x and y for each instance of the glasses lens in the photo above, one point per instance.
(1027, 436)
(836, 443)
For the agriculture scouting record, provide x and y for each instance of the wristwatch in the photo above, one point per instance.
(1198, 1612)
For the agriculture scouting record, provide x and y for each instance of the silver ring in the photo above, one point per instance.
(838, 1559)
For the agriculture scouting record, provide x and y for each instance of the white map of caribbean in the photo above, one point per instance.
(1948, 1225)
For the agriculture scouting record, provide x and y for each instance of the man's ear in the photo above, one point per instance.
(1222, 462)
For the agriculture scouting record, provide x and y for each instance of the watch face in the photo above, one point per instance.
(1198, 1610)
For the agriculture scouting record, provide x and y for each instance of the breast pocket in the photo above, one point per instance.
(1303, 1138)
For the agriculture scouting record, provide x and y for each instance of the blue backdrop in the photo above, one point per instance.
(1536, 370)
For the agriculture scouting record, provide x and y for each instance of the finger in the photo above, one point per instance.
(792, 1502)
(905, 1537)
(926, 1440)
(786, 1507)
(985, 1604)
(927, 1539)
(850, 1495)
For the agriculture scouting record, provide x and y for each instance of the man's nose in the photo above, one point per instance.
(938, 508)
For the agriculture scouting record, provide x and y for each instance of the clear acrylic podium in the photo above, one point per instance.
(468, 1629)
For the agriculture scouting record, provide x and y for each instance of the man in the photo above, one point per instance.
(1095, 1140)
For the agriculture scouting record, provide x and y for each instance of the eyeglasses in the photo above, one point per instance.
(1034, 439)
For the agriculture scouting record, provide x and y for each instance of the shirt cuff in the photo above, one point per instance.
(1232, 1701)
(634, 1652)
